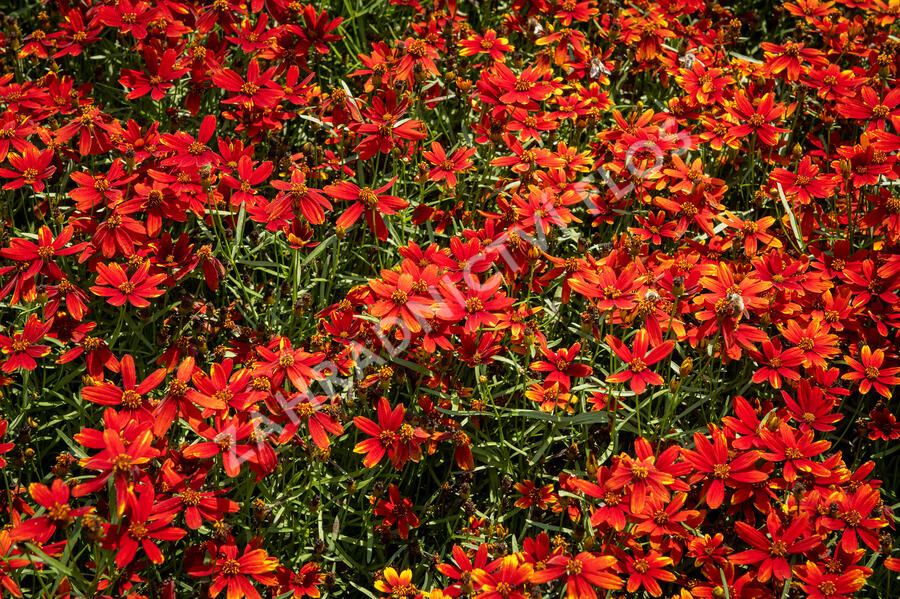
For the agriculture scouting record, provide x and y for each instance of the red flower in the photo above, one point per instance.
(30, 167)
(199, 505)
(399, 301)
(821, 583)
(806, 183)
(122, 453)
(868, 107)
(776, 363)
(397, 510)
(233, 572)
(770, 554)
(717, 467)
(368, 202)
(794, 451)
(505, 582)
(158, 78)
(525, 88)
(812, 409)
(391, 435)
(295, 196)
(190, 152)
(113, 283)
(147, 521)
(316, 414)
(23, 348)
(532, 495)
(489, 44)
(756, 118)
(582, 572)
(41, 254)
(638, 360)
(646, 569)
(248, 176)
(58, 513)
(561, 366)
(446, 168)
(870, 371)
(854, 519)
(259, 90)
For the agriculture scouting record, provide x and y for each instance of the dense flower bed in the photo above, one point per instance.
(500, 300)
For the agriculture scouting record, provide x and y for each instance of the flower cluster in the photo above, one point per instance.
(554, 298)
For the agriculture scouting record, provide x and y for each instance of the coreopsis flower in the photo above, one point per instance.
(249, 175)
(582, 572)
(868, 106)
(396, 584)
(505, 582)
(189, 152)
(446, 167)
(820, 583)
(776, 363)
(646, 474)
(199, 505)
(367, 202)
(391, 435)
(122, 455)
(815, 341)
(294, 196)
(832, 83)
(280, 361)
(157, 79)
(386, 127)
(400, 301)
(715, 465)
(75, 34)
(756, 118)
(147, 522)
(788, 58)
(41, 255)
(527, 87)
(114, 284)
(532, 495)
(883, 425)
(487, 43)
(316, 30)
(58, 513)
(460, 570)
(13, 133)
(806, 183)
(871, 373)
(794, 451)
(304, 582)
(236, 573)
(127, 17)
(772, 548)
(855, 518)
(257, 90)
(30, 167)
(418, 53)
(131, 397)
(314, 413)
(561, 366)
(639, 360)
(812, 409)
(705, 84)
(21, 349)
(397, 510)
(646, 569)
(550, 396)
(227, 438)
(755, 232)
(479, 304)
